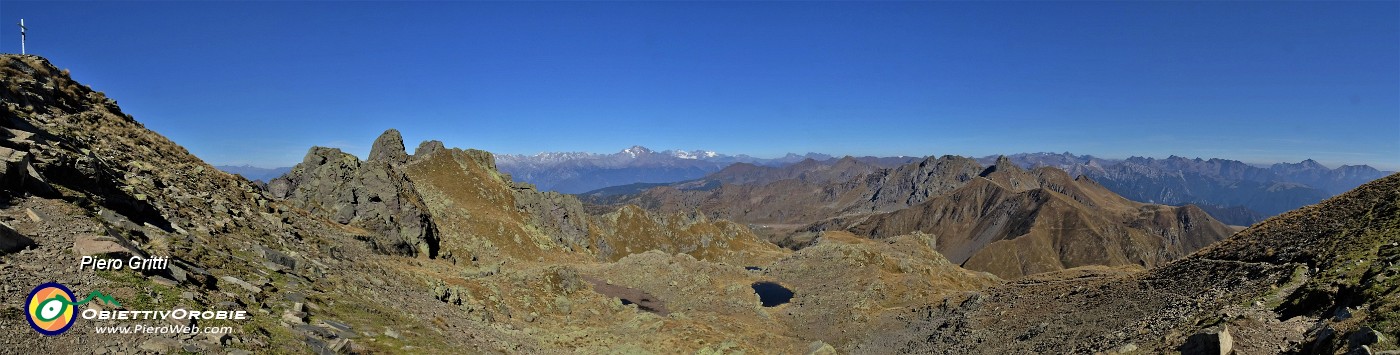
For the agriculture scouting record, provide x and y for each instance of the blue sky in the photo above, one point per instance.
(260, 82)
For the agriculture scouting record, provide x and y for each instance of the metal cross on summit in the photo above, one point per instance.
(21, 36)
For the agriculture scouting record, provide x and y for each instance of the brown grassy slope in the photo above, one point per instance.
(477, 212)
(1306, 263)
(631, 230)
(779, 202)
(474, 210)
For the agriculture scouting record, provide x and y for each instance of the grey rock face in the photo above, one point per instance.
(374, 194)
(911, 184)
(561, 216)
(428, 148)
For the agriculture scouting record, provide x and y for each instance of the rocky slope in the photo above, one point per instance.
(1320, 279)
(100, 183)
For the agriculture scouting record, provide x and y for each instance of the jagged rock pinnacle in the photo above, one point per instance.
(389, 148)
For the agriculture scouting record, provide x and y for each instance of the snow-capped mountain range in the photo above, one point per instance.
(575, 172)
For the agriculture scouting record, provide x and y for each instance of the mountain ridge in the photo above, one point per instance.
(969, 207)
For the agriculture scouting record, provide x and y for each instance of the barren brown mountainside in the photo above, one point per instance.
(1000, 219)
(1321, 279)
(806, 192)
(1012, 222)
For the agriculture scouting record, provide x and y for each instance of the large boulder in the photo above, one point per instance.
(14, 168)
(11, 241)
(93, 245)
(1211, 342)
(17, 172)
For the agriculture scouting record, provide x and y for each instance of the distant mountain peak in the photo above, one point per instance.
(1305, 165)
(637, 150)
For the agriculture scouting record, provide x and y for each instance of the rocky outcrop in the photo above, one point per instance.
(374, 194)
(914, 183)
(427, 148)
(557, 215)
(389, 148)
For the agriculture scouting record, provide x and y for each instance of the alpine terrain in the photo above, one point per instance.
(439, 250)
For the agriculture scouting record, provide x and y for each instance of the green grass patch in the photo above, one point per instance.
(147, 295)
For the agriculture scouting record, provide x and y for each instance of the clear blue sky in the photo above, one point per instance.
(260, 82)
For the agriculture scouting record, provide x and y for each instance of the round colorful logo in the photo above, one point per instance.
(50, 309)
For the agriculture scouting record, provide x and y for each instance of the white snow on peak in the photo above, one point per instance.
(636, 150)
(693, 154)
